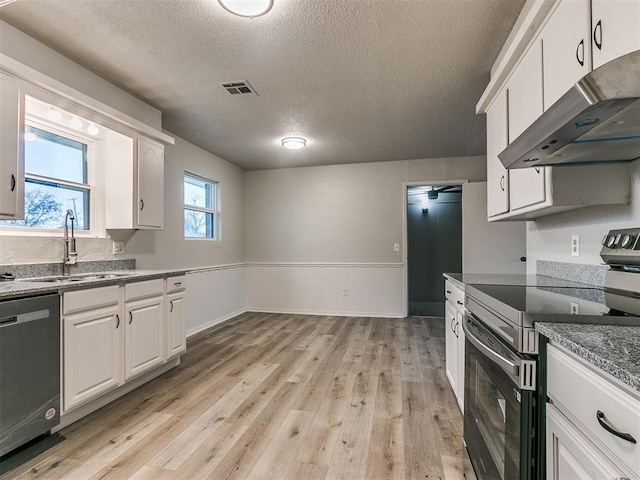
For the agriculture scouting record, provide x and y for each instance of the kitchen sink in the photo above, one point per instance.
(84, 277)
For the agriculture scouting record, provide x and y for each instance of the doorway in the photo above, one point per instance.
(434, 245)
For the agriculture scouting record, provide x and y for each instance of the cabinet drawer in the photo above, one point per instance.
(454, 295)
(581, 393)
(148, 288)
(80, 300)
(176, 284)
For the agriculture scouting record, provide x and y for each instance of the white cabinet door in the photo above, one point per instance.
(460, 361)
(11, 164)
(566, 44)
(92, 361)
(570, 456)
(526, 186)
(150, 184)
(143, 336)
(175, 331)
(497, 141)
(615, 29)
(451, 345)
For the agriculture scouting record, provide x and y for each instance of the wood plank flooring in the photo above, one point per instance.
(285, 397)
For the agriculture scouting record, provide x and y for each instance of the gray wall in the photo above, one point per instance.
(168, 248)
(434, 244)
(341, 213)
(549, 238)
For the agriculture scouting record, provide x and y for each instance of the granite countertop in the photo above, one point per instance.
(25, 288)
(612, 348)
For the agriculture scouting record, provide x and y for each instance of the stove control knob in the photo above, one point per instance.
(627, 240)
(611, 240)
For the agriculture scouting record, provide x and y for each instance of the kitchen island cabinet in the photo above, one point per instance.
(454, 339)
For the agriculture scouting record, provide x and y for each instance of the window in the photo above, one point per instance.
(200, 202)
(56, 179)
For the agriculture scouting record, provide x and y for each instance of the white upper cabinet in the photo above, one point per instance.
(497, 140)
(11, 163)
(150, 157)
(615, 29)
(524, 91)
(566, 43)
(134, 182)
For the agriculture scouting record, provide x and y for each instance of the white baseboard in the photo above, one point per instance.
(214, 322)
(328, 313)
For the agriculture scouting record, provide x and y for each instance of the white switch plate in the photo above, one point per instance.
(345, 292)
(118, 248)
(575, 308)
(396, 247)
(575, 245)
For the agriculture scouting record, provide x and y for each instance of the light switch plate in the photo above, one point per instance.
(396, 247)
(575, 245)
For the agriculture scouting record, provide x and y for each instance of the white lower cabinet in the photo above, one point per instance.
(115, 333)
(454, 340)
(570, 455)
(592, 426)
(92, 344)
(143, 335)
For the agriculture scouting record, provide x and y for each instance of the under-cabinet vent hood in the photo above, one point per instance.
(597, 121)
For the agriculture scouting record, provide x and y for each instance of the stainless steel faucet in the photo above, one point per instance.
(70, 253)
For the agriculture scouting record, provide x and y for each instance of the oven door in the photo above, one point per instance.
(498, 413)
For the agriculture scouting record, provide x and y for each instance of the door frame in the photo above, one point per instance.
(405, 205)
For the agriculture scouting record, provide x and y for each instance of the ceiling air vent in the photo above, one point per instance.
(239, 87)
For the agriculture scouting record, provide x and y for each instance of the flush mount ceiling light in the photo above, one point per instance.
(247, 8)
(293, 143)
(76, 123)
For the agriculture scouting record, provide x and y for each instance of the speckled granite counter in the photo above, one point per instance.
(25, 288)
(614, 349)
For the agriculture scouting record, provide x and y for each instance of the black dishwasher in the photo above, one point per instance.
(29, 369)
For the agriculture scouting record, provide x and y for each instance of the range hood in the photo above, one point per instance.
(597, 121)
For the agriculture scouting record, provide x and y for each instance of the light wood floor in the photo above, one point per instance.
(282, 397)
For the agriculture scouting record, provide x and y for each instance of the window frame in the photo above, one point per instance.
(214, 210)
(90, 186)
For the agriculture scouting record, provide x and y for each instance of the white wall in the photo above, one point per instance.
(548, 238)
(311, 232)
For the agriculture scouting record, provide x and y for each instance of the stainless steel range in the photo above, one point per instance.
(502, 347)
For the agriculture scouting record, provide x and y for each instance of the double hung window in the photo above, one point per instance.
(56, 179)
(200, 207)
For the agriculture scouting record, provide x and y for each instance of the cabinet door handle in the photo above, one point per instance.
(141, 204)
(597, 35)
(452, 327)
(523, 259)
(13, 182)
(177, 284)
(459, 302)
(130, 318)
(170, 306)
(537, 169)
(603, 423)
(580, 50)
(449, 292)
(117, 321)
(502, 183)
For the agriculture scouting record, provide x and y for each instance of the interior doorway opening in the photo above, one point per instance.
(434, 244)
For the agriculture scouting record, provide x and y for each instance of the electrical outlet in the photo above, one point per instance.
(396, 247)
(345, 292)
(575, 308)
(575, 245)
(118, 248)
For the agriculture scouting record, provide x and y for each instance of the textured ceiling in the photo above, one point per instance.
(362, 80)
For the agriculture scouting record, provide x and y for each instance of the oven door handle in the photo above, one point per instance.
(506, 364)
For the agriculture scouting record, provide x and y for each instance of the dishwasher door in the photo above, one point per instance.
(29, 369)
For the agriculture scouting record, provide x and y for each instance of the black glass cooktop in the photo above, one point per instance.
(543, 301)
